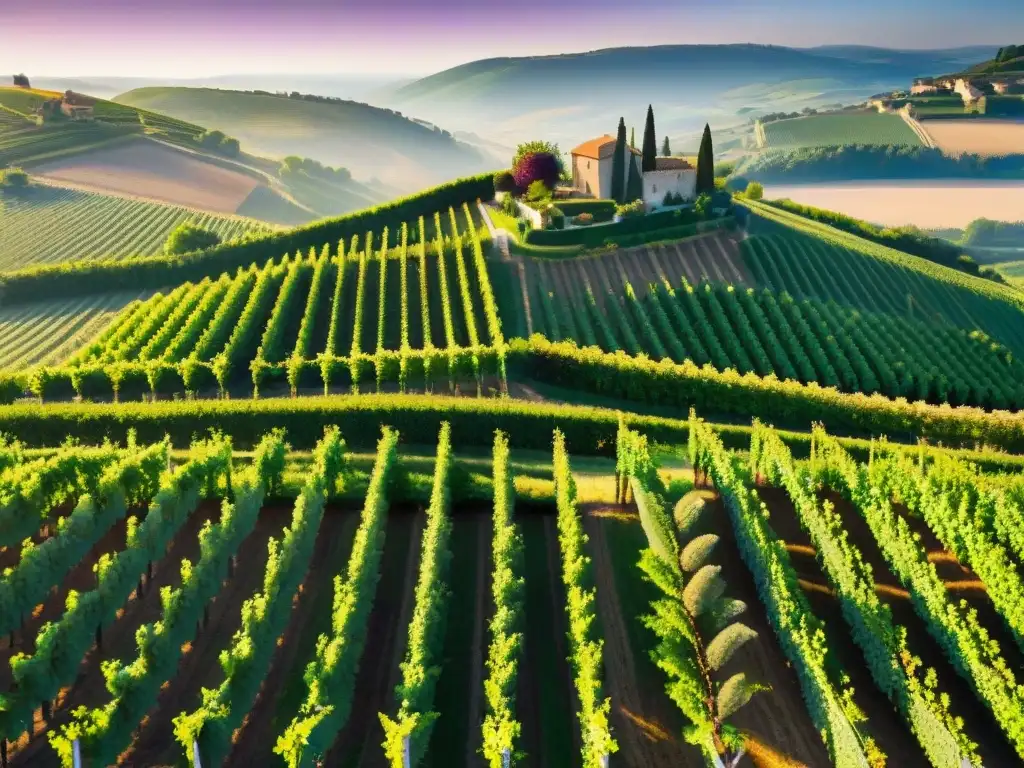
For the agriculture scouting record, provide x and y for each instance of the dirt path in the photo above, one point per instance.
(695, 270)
(155, 744)
(884, 723)
(544, 700)
(458, 700)
(10, 556)
(89, 689)
(478, 652)
(639, 717)
(731, 258)
(359, 743)
(284, 689)
(701, 245)
(979, 723)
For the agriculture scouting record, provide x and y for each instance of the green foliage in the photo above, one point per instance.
(801, 635)
(156, 272)
(538, 191)
(634, 182)
(725, 644)
(666, 147)
(650, 146)
(954, 626)
(500, 727)
(696, 553)
(187, 238)
(532, 148)
(585, 642)
(265, 615)
(688, 512)
(14, 179)
(61, 645)
(706, 164)
(704, 589)
(754, 191)
(330, 676)
(734, 694)
(618, 190)
(423, 656)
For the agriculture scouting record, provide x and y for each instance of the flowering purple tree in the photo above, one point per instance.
(536, 166)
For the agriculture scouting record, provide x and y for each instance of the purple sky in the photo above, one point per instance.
(192, 38)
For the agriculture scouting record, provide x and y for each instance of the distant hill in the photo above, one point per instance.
(569, 97)
(372, 143)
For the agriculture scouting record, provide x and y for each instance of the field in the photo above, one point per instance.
(47, 333)
(687, 301)
(370, 142)
(989, 138)
(47, 224)
(377, 309)
(545, 557)
(831, 130)
(929, 205)
(148, 170)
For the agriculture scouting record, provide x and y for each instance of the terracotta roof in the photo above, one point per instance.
(601, 147)
(671, 164)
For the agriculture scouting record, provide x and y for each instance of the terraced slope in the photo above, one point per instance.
(49, 225)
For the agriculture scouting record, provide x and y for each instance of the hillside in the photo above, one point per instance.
(368, 141)
(51, 224)
(572, 97)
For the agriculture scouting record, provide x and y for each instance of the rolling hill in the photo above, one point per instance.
(570, 97)
(372, 143)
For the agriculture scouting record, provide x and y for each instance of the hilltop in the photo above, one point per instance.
(370, 142)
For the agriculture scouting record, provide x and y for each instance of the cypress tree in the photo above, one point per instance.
(632, 137)
(706, 164)
(619, 164)
(666, 150)
(649, 163)
(634, 184)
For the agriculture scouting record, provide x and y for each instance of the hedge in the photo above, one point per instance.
(594, 236)
(784, 403)
(601, 210)
(80, 278)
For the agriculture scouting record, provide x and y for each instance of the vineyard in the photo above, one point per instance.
(367, 312)
(47, 333)
(279, 607)
(838, 129)
(56, 224)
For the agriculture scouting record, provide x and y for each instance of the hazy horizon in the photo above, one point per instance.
(405, 38)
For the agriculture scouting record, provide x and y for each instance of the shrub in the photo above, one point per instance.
(508, 205)
(601, 210)
(755, 191)
(504, 181)
(537, 166)
(537, 191)
(632, 210)
(13, 178)
(188, 237)
(583, 220)
(555, 217)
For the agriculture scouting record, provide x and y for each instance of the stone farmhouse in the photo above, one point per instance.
(592, 163)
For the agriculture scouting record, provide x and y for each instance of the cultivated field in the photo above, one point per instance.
(152, 171)
(467, 601)
(830, 130)
(47, 333)
(980, 137)
(929, 205)
(49, 224)
(689, 301)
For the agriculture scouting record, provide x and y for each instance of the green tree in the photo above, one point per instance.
(634, 184)
(619, 164)
(21, 81)
(13, 179)
(632, 137)
(666, 149)
(649, 162)
(755, 191)
(706, 164)
(188, 237)
(537, 147)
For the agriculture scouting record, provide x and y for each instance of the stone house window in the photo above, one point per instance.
(655, 189)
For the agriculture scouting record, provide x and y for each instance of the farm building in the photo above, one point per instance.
(592, 163)
(671, 175)
(592, 166)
